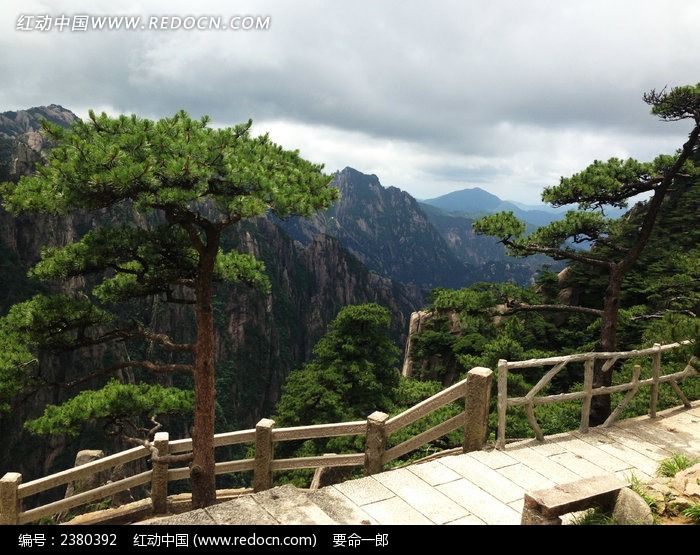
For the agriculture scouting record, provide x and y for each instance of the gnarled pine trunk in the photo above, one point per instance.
(202, 474)
(600, 404)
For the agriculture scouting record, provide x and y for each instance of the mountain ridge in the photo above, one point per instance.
(385, 228)
(15, 123)
(475, 202)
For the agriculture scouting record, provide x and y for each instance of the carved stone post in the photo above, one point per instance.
(375, 443)
(476, 408)
(502, 403)
(655, 375)
(10, 506)
(159, 476)
(262, 470)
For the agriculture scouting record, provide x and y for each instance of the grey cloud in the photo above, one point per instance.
(441, 77)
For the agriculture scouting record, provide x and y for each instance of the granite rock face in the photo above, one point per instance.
(385, 229)
(14, 124)
(261, 338)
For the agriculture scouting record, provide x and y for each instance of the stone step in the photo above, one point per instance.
(289, 505)
(244, 511)
(339, 507)
(281, 505)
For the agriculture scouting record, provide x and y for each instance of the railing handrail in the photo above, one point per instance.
(314, 431)
(376, 428)
(88, 469)
(425, 407)
(292, 433)
(558, 363)
(84, 497)
(579, 357)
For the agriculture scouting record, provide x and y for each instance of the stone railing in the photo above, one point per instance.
(475, 390)
(12, 490)
(531, 399)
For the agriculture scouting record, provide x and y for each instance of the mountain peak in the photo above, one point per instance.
(356, 177)
(353, 182)
(466, 200)
(15, 123)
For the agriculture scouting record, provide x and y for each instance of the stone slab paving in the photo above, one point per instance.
(485, 487)
(434, 505)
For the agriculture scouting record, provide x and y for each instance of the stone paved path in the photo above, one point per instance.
(483, 487)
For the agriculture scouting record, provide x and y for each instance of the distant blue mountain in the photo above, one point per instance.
(543, 207)
(476, 202)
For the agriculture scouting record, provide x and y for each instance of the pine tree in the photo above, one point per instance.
(614, 248)
(184, 183)
(353, 371)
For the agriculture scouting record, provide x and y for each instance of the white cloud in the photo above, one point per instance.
(532, 157)
(507, 96)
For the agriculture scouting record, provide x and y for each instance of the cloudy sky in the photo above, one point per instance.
(504, 95)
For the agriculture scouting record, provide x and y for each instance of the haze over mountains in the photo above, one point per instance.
(476, 202)
(393, 234)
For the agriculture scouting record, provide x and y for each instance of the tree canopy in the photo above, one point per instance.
(121, 407)
(587, 237)
(173, 186)
(352, 373)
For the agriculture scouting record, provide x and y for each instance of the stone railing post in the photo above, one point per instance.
(502, 403)
(159, 475)
(375, 442)
(477, 401)
(264, 453)
(10, 506)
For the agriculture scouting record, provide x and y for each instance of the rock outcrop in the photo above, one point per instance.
(630, 508)
(386, 230)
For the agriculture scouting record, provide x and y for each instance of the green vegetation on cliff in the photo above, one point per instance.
(614, 245)
(194, 182)
(352, 373)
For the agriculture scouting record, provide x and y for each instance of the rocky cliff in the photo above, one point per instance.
(482, 252)
(260, 338)
(411, 242)
(386, 229)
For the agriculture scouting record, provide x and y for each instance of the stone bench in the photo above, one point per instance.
(547, 505)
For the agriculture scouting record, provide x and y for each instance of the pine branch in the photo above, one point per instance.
(626, 192)
(654, 205)
(612, 246)
(165, 341)
(129, 335)
(524, 307)
(148, 444)
(556, 253)
(661, 314)
(153, 367)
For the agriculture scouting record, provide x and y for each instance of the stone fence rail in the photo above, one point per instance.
(606, 362)
(474, 390)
